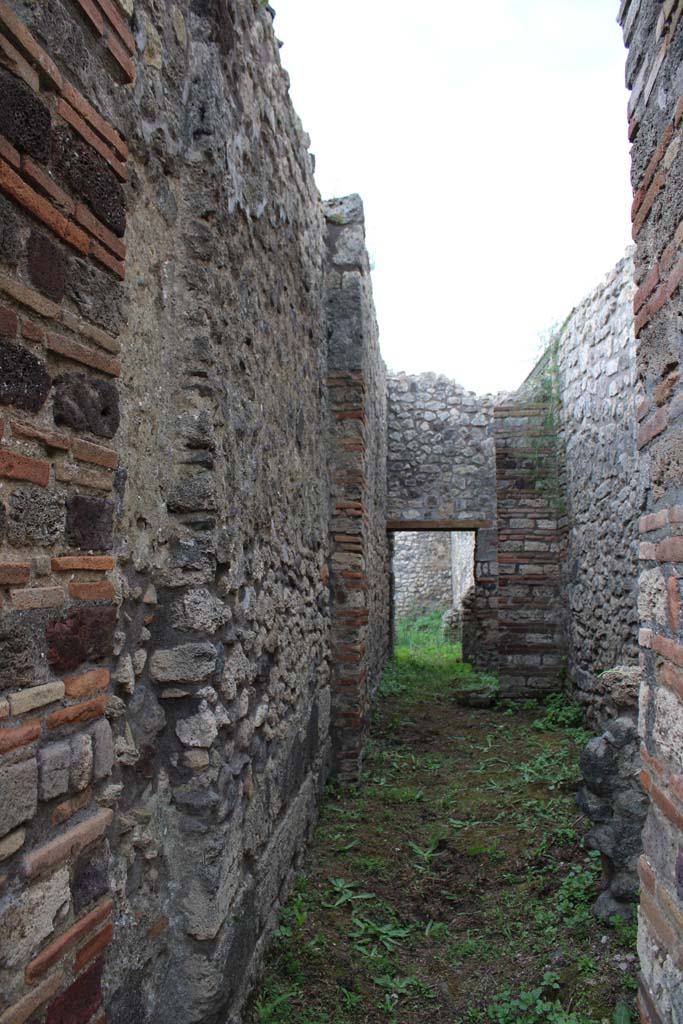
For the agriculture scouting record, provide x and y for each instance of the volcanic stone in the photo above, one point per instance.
(87, 403)
(46, 266)
(89, 523)
(23, 118)
(24, 380)
(85, 634)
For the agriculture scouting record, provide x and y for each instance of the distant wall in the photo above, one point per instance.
(360, 572)
(595, 354)
(441, 465)
(422, 572)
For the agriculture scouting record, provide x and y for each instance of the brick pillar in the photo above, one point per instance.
(653, 31)
(62, 221)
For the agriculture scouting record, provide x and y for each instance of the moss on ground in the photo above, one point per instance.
(454, 885)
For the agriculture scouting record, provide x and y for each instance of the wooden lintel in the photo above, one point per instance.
(438, 525)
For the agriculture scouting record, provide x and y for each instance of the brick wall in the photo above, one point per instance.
(653, 31)
(359, 573)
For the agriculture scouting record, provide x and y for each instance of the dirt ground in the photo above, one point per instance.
(454, 884)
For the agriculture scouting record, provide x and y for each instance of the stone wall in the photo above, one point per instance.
(653, 31)
(165, 641)
(441, 463)
(594, 355)
(422, 572)
(360, 563)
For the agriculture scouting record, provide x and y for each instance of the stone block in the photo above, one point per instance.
(10, 238)
(193, 493)
(24, 120)
(104, 750)
(99, 298)
(19, 786)
(87, 403)
(90, 879)
(199, 610)
(81, 762)
(35, 517)
(77, 1003)
(24, 380)
(88, 176)
(46, 266)
(188, 663)
(11, 843)
(199, 730)
(85, 634)
(36, 697)
(89, 523)
(55, 765)
(30, 918)
(16, 655)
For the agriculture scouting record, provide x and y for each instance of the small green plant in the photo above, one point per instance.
(345, 892)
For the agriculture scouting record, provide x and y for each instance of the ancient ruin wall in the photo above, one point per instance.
(441, 466)
(164, 506)
(653, 32)
(360, 569)
(594, 357)
(422, 572)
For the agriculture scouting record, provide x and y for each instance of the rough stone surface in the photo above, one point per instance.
(86, 403)
(10, 237)
(189, 663)
(27, 919)
(89, 523)
(85, 634)
(86, 174)
(35, 516)
(24, 380)
(24, 120)
(431, 571)
(46, 266)
(55, 764)
(16, 654)
(99, 298)
(19, 786)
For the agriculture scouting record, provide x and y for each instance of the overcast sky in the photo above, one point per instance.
(488, 142)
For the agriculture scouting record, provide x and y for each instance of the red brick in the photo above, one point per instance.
(93, 15)
(650, 282)
(50, 438)
(83, 712)
(670, 549)
(28, 297)
(83, 477)
(38, 177)
(668, 649)
(654, 521)
(652, 762)
(94, 563)
(668, 809)
(29, 45)
(56, 949)
(653, 163)
(673, 602)
(78, 1003)
(17, 189)
(93, 225)
(68, 808)
(87, 682)
(9, 322)
(646, 873)
(652, 428)
(14, 573)
(88, 135)
(22, 467)
(102, 591)
(157, 927)
(70, 349)
(122, 29)
(96, 945)
(37, 597)
(31, 331)
(102, 127)
(648, 200)
(68, 844)
(672, 677)
(89, 452)
(659, 924)
(86, 330)
(9, 153)
(20, 1012)
(121, 57)
(99, 253)
(12, 737)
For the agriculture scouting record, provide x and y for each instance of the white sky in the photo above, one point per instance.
(488, 141)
